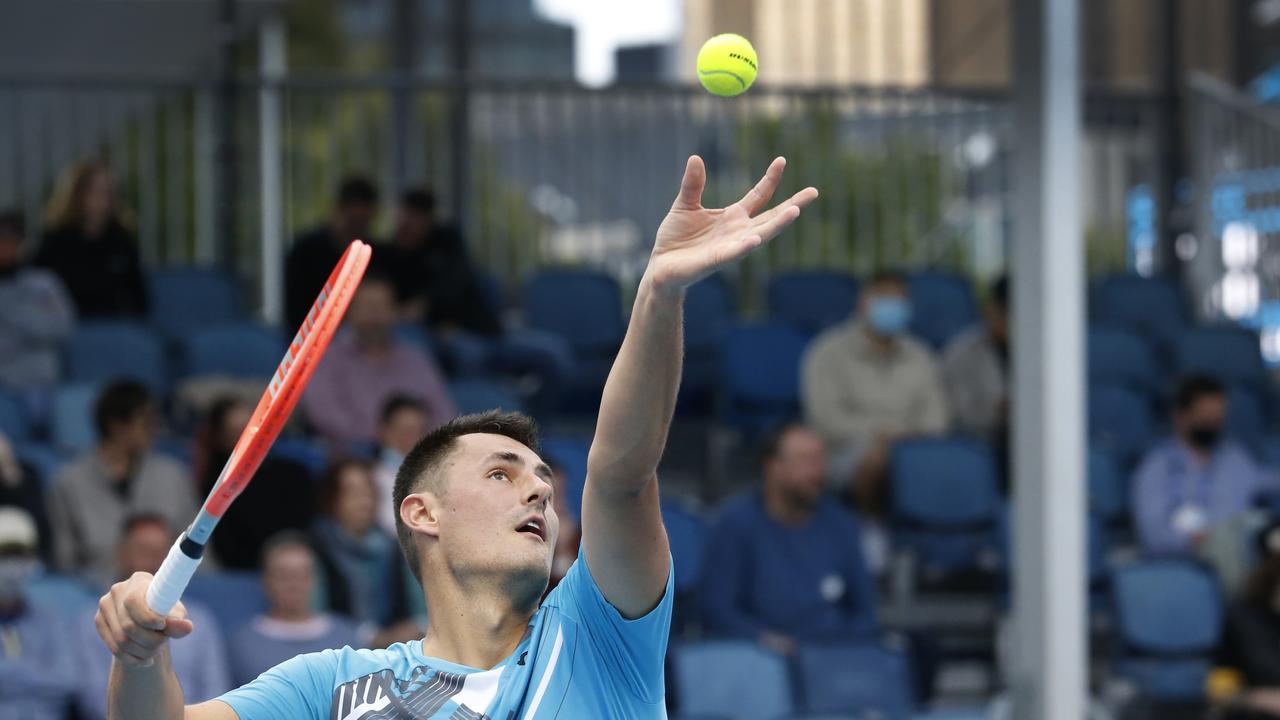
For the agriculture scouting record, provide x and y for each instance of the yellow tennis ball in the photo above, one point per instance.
(727, 65)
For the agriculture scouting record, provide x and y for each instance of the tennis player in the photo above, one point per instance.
(477, 524)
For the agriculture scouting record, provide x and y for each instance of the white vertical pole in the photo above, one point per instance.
(271, 46)
(1049, 680)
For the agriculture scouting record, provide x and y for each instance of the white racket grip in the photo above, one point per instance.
(171, 579)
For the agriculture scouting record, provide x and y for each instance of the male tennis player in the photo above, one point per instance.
(477, 524)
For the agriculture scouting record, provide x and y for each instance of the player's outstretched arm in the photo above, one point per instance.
(623, 538)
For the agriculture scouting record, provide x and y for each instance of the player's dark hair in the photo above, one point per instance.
(357, 190)
(397, 403)
(419, 200)
(420, 467)
(11, 222)
(119, 402)
(142, 519)
(330, 488)
(1193, 387)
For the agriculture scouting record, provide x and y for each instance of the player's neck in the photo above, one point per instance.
(477, 628)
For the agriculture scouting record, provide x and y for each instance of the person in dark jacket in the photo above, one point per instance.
(315, 252)
(1251, 641)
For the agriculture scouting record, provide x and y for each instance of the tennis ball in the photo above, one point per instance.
(727, 65)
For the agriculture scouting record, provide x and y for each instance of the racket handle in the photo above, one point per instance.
(172, 577)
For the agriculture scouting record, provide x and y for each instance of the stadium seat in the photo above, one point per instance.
(102, 351)
(582, 306)
(731, 678)
(942, 305)
(1168, 617)
(183, 298)
(570, 454)
(1120, 356)
(811, 300)
(13, 418)
(1269, 452)
(1246, 417)
(1120, 421)
(946, 505)
(708, 315)
(66, 596)
(234, 598)
(1108, 488)
(475, 395)
(41, 458)
(861, 679)
(311, 455)
(1229, 353)
(761, 377)
(240, 349)
(1153, 307)
(71, 419)
(687, 533)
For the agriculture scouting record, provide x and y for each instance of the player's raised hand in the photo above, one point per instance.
(133, 632)
(694, 241)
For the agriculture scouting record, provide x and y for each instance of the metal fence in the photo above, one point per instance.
(562, 174)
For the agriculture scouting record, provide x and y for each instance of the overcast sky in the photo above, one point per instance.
(603, 25)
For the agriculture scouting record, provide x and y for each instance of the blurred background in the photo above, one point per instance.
(177, 178)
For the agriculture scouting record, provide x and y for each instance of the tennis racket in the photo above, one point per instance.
(282, 394)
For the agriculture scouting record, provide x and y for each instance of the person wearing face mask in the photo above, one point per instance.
(403, 424)
(865, 385)
(1196, 480)
(38, 663)
(36, 314)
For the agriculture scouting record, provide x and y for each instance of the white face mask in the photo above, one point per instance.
(14, 573)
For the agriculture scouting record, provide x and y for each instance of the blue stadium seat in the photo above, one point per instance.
(687, 533)
(1152, 306)
(239, 349)
(66, 596)
(13, 418)
(1246, 417)
(43, 459)
(1231, 354)
(183, 298)
(1168, 617)
(1120, 356)
(708, 316)
(311, 455)
(71, 418)
(475, 395)
(570, 454)
(1121, 422)
(761, 377)
(234, 598)
(946, 505)
(582, 306)
(861, 679)
(106, 350)
(942, 305)
(731, 678)
(812, 300)
(1108, 488)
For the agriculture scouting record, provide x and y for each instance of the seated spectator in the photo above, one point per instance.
(199, 659)
(36, 310)
(1196, 480)
(122, 476)
(21, 487)
(975, 371)
(784, 563)
(38, 663)
(435, 282)
(1251, 640)
(367, 364)
(364, 571)
(315, 252)
(403, 424)
(867, 384)
(281, 497)
(290, 627)
(88, 245)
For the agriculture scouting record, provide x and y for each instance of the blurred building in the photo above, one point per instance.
(643, 63)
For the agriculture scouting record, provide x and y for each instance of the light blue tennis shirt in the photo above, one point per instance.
(579, 659)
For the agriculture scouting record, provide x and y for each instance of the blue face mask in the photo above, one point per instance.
(889, 315)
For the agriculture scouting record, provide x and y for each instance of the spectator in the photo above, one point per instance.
(1196, 480)
(290, 627)
(866, 384)
(37, 655)
(435, 281)
(784, 564)
(314, 253)
(199, 659)
(280, 498)
(35, 314)
(365, 366)
(89, 246)
(403, 424)
(21, 487)
(1251, 640)
(364, 571)
(121, 477)
(975, 371)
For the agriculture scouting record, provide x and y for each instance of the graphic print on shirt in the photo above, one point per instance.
(380, 696)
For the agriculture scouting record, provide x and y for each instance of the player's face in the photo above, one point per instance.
(496, 514)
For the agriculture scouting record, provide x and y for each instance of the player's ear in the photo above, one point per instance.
(420, 513)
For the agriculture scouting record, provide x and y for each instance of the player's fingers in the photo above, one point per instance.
(800, 199)
(775, 225)
(757, 196)
(695, 179)
(177, 627)
(105, 632)
(137, 610)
